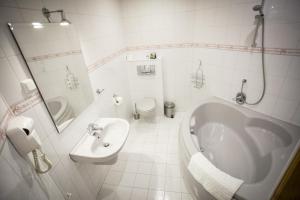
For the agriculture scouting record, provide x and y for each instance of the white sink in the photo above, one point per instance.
(93, 149)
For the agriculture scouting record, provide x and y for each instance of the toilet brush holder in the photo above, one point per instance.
(136, 115)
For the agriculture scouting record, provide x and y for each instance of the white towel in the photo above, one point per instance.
(219, 184)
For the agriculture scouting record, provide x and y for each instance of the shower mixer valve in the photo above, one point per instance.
(240, 97)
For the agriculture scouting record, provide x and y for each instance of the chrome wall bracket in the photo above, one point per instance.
(240, 97)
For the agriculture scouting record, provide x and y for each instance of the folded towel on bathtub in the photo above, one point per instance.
(219, 184)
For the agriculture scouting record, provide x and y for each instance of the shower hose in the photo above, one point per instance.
(262, 63)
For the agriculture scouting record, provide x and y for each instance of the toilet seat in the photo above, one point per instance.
(146, 105)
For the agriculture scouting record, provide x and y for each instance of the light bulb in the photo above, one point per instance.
(64, 22)
(37, 25)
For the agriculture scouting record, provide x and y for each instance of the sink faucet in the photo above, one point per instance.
(94, 129)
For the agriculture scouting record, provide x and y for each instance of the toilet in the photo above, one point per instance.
(146, 107)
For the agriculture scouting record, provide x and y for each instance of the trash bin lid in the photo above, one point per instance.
(169, 104)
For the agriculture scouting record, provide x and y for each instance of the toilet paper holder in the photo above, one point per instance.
(117, 100)
(99, 91)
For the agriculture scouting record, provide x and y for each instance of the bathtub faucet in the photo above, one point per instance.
(240, 97)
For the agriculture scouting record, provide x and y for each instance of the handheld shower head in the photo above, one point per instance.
(257, 7)
(259, 20)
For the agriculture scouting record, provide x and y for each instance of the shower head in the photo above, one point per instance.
(257, 8)
(64, 21)
(47, 13)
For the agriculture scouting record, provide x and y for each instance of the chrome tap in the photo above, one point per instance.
(95, 129)
(240, 97)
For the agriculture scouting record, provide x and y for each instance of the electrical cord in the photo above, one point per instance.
(37, 163)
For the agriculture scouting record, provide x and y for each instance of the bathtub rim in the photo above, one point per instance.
(191, 149)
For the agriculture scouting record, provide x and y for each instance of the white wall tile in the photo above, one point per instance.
(112, 26)
(8, 81)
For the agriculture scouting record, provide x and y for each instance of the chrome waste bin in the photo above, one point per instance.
(169, 109)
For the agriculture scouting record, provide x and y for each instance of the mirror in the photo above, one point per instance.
(53, 55)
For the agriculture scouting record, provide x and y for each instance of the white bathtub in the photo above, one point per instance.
(243, 143)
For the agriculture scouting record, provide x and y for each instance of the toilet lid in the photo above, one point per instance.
(145, 104)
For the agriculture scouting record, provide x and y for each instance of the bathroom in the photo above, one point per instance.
(175, 79)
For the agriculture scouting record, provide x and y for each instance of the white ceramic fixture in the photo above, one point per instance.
(101, 144)
(146, 107)
(60, 109)
(240, 142)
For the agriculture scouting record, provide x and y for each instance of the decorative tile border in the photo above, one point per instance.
(17, 109)
(26, 104)
(228, 47)
(276, 51)
(53, 55)
(109, 58)
(105, 60)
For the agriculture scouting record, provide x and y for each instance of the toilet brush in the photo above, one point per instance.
(136, 115)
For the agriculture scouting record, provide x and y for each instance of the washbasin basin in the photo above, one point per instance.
(103, 145)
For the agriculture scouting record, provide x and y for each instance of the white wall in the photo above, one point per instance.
(145, 86)
(18, 178)
(172, 28)
(227, 23)
(183, 32)
(99, 28)
(156, 22)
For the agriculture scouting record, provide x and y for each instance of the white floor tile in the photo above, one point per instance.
(159, 169)
(160, 158)
(173, 171)
(134, 157)
(173, 184)
(148, 157)
(132, 166)
(123, 193)
(123, 155)
(156, 195)
(107, 192)
(142, 181)
(161, 147)
(145, 168)
(157, 182)
(139, 194)
(119, 165)
(148, 168)
(172, 196)
(113, 178)
(173, 159)
(128, 179)
(185, 196)
(183, 186)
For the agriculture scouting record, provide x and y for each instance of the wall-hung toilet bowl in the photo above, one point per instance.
(60, 109)
(146, 107)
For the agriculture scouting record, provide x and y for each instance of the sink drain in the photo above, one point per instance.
(106, 144)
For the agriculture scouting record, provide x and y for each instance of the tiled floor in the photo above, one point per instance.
(148, 166)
